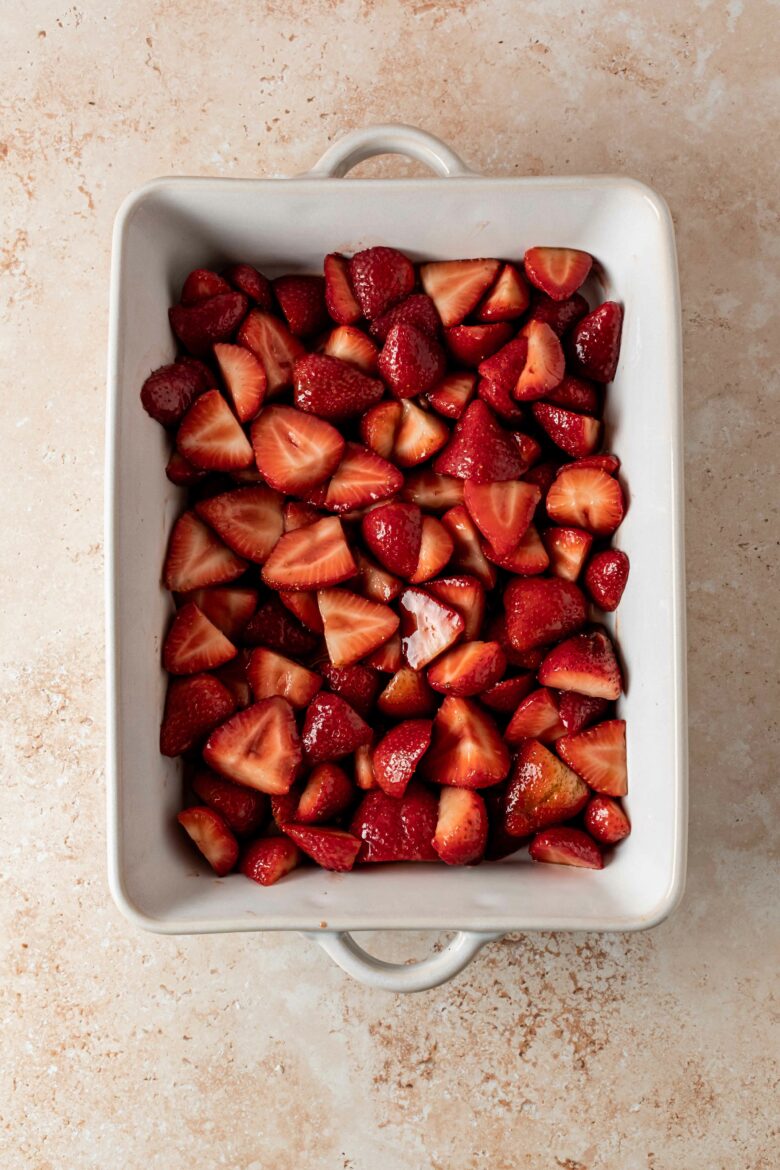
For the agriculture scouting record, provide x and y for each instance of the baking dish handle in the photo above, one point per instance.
(387, 138)
(343, 950)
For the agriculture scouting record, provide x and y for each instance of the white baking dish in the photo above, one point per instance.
(172, 225)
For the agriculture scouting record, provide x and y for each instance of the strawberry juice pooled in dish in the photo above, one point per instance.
(390, 566)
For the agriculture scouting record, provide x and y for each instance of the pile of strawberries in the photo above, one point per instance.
(386, 578)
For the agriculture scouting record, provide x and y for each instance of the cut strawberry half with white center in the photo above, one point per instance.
(272, 674)
(353, 625)
(462, 826)
(502, 511)
(194, 643)
(303, 603)
(196, 557)
(586, 664)
(295, 451)
(541, 791)
(567, 549)
(528, 559)
(466, 595)
(466, 749)
(210, 436)
(211, 834)
(375, 582)
(259, 747)
(249, 520)
(544, 364)
(339, 296)
(310, 558)
(244, 378)
(379, 425)
(428, 627)
(598, 754)
(361, 478)
(436, 548)
(509, 297)
(435, 492)
(468, 554)
(272, 342)
(228, 608)
(407, 695)
(351, 345)
(468, 669)
(536, 717)
(558, 272)
(586, 497)
(452, 394)
(419, 435)
(457, 286)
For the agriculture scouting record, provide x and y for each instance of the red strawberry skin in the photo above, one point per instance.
(480, 449)
(333, 389)
(411, 361)
(564, 846)
(605, 578)
(559, 315)
(579, 711)
(470, 345)
(393, 829)
(393, 533)
(212, 836)
(268, 860)
(418, 310)
(595, 342)
(274, 626)
(357, 684)
(332, 849)
(462, 827)
(380, 278)
(199, 326)
(202, 284)
(251, 283)
(168, 393)
(194, 706)
(398, 753)
(302, 300)
(542, 611)
(339, 297)
(332, 729)
(243, 809)
(606, 821)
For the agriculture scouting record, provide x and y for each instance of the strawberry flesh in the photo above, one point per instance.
(212, 836)
(564, 846)
(466, 749)
(243, 809)
(428, 627)
(258, 747)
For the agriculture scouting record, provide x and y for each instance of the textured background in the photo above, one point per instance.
(123, 1050)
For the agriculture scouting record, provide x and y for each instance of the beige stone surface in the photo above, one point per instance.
(126, 1050)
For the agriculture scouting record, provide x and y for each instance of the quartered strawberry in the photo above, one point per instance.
(196, 557)
(387, 657)
(271, 341)
(199, 326)
(333, 849)
(407, 695)
(542, 610)
(598, 755)
(398, 753)
(436, 548)
(523, 659)
(299, 513)
(606, 821)
(248, 520)
(270, 674)
(559, 315)
(339, 297)
(605, 578)
(169, 392)
(434, 492)
(576, 394)
(310, 558)
(457, 286)
(506, 365)
(466, 749)
(354, 626)
(417, 310)
(303, 603)
(210, 436)
(283, 806)
(378, 427)
(502, 511)
(567, 549)
(233, 676)
(357, 684)
(361, 478)
(201, 284)
(586, 497)
(374, 582)
(244, 378)
(273, 625)
(295, 451)
(243, 809)
(269, 859)
(469, 345)
(544, 364)
(564, 846)
(327, 792)
(505, 696)
(536, 717)
(509, 297)
(251, 283)
(595, 342)
(364, 768)
(302, 300)
(585, 663)
(194, 644)
(228, 608)
(411, 361)
(380, 277)
(528, 559)
(461, 827)
(558, 272)
(542, 474)
(500, 401)
(468, 554)
(428, 627)
(419, 435)
(541, 791)
(393, 533)
(333, 389)
(602, 462)
(576, 434)
(468, 669)
(480, 449)
(211, 834)
(349, 344)
(193, 707)
(578, 711)
(452, 394)
(332, 729)
(258, 747)
(182, 473)
(464, 594)
(393, 829)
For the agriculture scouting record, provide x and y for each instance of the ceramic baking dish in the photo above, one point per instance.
(173, 225)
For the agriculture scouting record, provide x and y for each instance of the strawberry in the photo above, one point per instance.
(605, 578)
(299, 513)
(505, 696)
(182, 473)
(468, 554)
(542, 474)
(283, 806)
(229, 609)
(302, 300)
(310, 558)
(544, 364)
(417, 310)
(542, 610)
(558, 272)
(603, 462)
(567, 549)
(537, 717)
(332, 729)
(361, 478)
(479, 449)
(303, 603)
(500, 401)
(452, 394)
(407, 695)
(351, 345)
(468, 669)
(606, 821)
(541, 791)
(524, 659)
(461, 827)
(248, 520)
(380, 278)
(376, 583)
(434, 492)
(268, 859)
(576, 394)
(586, 497)
(199, 326)
(354, 626)
(598, 755)
(506, 365)
(398, 753)
(586, 664)
(564, 846)
(233, 676)
(559, 315)
(411, 361)
(169, 392)
(393, 829)
(244, 378)
(251, 283)
(364, 768)
(387, 657)
(210, 437)
(357, 684)
(502, 511)
(333, 849)
(196, 557)
(578, 711)
(193, 707)
(419, 435)
(436, 548)
(272, 625)
(249, 476)
(258, 747)
(466, 595)
(509, 297)
(393, 533)
(529, 557)
(595, 342)
(194, 644)
(466, 749)
(327, 792)
(457, 286)
(379, 425)
(210, 832)
(243, 809)
(272, 674)
(333, 389)
(295, 451)
(339, 298)
(428, 627)
(576, 434)
(271, 341)
(470, 345)
(201, 285)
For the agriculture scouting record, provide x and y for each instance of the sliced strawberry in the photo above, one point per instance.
(310, 558)
(196, 557)
(332, 729)
(468, 554)
(212, 835)
(466, 595)
(357, 684)
(603, 462)
(470, 345)
(269, 859)
(505, 696)
(563, 846)
(380, 278)
(351, 345)
(299, 513)
(502, 511)
(243, 809)
(586, 497)
(605, 578)
(466, 750)
(528, 559)
(431, 491)
(419, 435)
(376, 583)
(327, 792)
(393, 533)
(536, 717)
(598, 755)
(229, 609)
(558, 272)
(541, 791)
(586, 664)
(333, 389)
(251, 283)
(258, 747)
(364, 768)
(387, 657)
(247, 475)
(436, 548)
(428, 627)
(452, 394)
(468, 669)
(559, 315)
(193, 707)
(339, 297)
(302, 300)
(169, 392)
(578, 711)
(509, 297)
(542, 610)
(407, 695)
(500, 401)
(398, 753)
(595, 342)
(182, 473)
(333, 849)
(303, 603)
(379, 425)
(201, 285)
(354, 626)
(271, 341)
(361, 478)
(193, 643)
(210, 436)
(295, 451)
(393, 829)
(567, 549)
(544, 365)
(272, 625)
(199, 326)
(272, 674)
(457, 286)
(506, 365)
(233, 676)
(249, 520)
(480, 449)
(462, 826)
(606, 821)
(411, 362)
(244, 378)
(417, 310)
(576, 434)
(576, 394)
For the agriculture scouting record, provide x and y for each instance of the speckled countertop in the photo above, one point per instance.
(126, 1050)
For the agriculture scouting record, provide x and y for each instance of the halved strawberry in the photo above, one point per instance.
(428, 627)
(303, 603)
(361, 478)
(393, 533)
(272, 342)
(199, 326)
(354, 626)
(310, 558)
(528, 559)
(302, 300)
(333, 389)
(436, 548)
(380, 278)
(567, 549)
(480, 449)
(398, 753)
(505, 696)
(598, 754)
(500, 401)
(411, 362)
(387, 657)
(251, 283)
(417, 309)
(349, 344)
(536, 717)
(272, 674)
(559, 315)
(182, 473)
(470, 345)
(364, 768)
(468, 554)
(457, 286)
(466, 595)
(233, 676)
(506, 365)
(273, 625)
(212, 835)
(299, 513)
(327, 792)
(210, 436)
(466, 749)
(452, 394)
(605, 578)
(544, 364)
(193, 707)
(586, 664)
(169, 392)
(542, 610)
(333, 849)
(461, 827)
(283, 806)
(196, 557)
(193, 643)
(603, 462)
(339, 297)
(524, 659)
(558, 272)
(576, 434)
(468, 669)
(586, 497)
(244, 378)
(376, 583)
(564, 846)
(429, 490)
(229, 609)
(202, 284)
(249, 520)
(595, 342)
(502, 511)
(576, 394)
(509, 297)
(541, 791)
(243, 809)
(419, 435)
(295, 451)
(332, 729)
(379, 425)
(258, 747)
(578, 711)
(606, 821)
(407, 695)
(393, 829)
(357, 684)
(269, 859)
